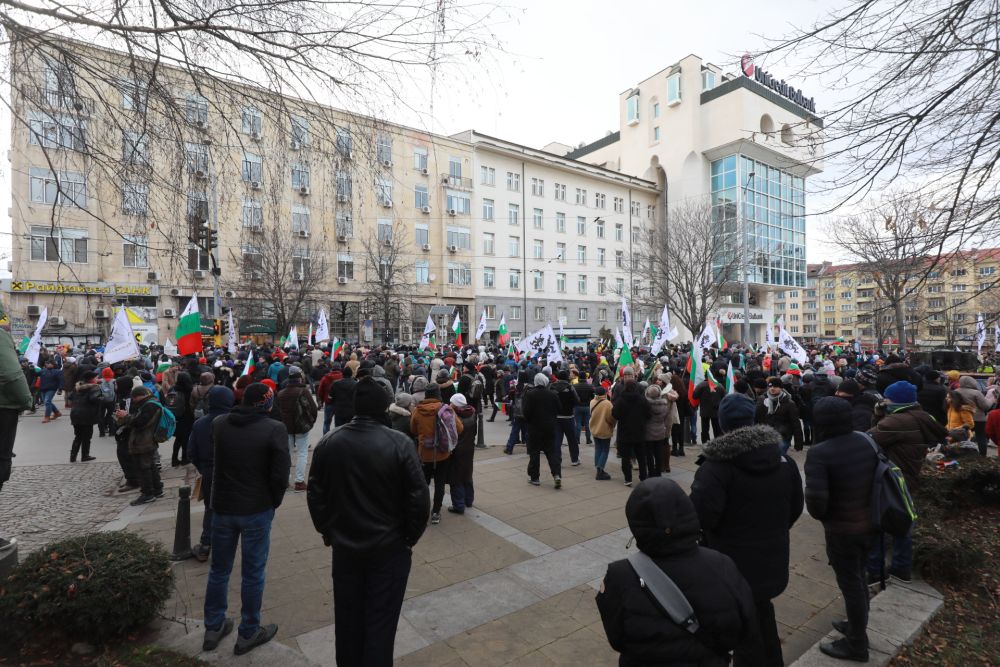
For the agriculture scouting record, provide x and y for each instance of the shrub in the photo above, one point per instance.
(91, 588)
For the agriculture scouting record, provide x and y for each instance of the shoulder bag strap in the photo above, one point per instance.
(665, 591)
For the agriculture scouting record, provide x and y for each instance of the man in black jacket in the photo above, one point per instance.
(840, 470)
(368, 498)
(748, 496)
(541, 408)
(201, 451)
(565, 416)
(342, 398)
(250, 478)
(631, 411)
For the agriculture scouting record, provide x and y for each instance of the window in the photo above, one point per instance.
(196, 157)
(779, 306)
(600, 228)
(560, 282)
(57, 244)
(420, 197)
(793, 306)
(539, 280)
(515, 312)
(581, 284)
(135, 148)
(196, 110)
(135, 252)
(491, 312)
(488, 244)
(634, 208)
(515, 278)
(538, 249)
(345, 266)
(600, 200)
(461, 237)
(513, 181)
(422, 271)
(602, 314)
(560, 192)
(674, 89)
(383, 230)
(300, 176)
(985, 286)
(487, 175)
(581, 196)
(561, 223)
(252, 168)
(459, 274)
(845, 307)
(197, 207)
(581, 314)
(345, 185)
(581, 254)
(540, 313)
(538, 187)
(345, 225)
(420, 159)
(846, 295)
(619, 289)
(707, 79)
(383, 148)
(935, 288)
(619, 231)
(581, 225)
(958, 288)
(601, 252)
(421, 235)
(513, 246)
(619, 205)
(133, 94)
(455, 170)
(561, 313)
(68, 188)
(459, 202)
(632, 109)
(602, 287)
(513, 214)
(489, 276)
(252, 121)
(300, 261)
(650, 212)
(383, 191)
(656, 109)
(253, 215)
(135, 198)
(56, 131)
(987, 270)
(635, 236)
(344, 142)
(561, 252)
(829, 308)
(199, 260)
(957, 273)
(487, 209)
(656, 133)
(619, 259)
(537, 218)
(935, 303)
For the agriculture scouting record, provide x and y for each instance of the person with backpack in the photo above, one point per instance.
(199, 404)
(540, 409)
(201, 449)
(86, 401)
(178, 401)
(840, 473)
(460, 473)
(298, 412)
(518, 430)
(436, 429)
(324, 397)
(581, 413)
(602, 426)
(108, 398)
(143, 430)
(566, 424)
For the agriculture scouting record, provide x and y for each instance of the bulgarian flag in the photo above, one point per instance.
(625, 358)
(456, 327)
(730, 379)
(336, 348)
(718, 330)
(512, 350)
(503, 337)
(250, 367)
(23, 346)
(696, 373)
(189, 329)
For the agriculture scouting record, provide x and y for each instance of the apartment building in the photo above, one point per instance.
(554, 239)
(114, 174)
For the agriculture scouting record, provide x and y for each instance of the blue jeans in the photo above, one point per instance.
(602, 446)
(581, 414)
(50, 407)
(463, 494)
(327, 417)
(693, 427)
(253, 531)
(299, 441)
(902, 554)
(785, 446)
(516, 433)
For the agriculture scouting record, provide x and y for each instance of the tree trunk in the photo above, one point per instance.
(900, 324)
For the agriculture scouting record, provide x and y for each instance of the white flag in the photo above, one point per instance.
(665, 324)
(322, 327)
(618, 339)
(248, 365)
(293, 338)
(121, 344)
(35, 344)
(996, 336)
(730, 379)
(791, 347)
(769, 336)
(980, 333)
(169, 349)
(645, 330)
(481, 329)
(707, 337)
(626, 323)
(781, 323)
(233, 335)
(542, 343)
(425, 340)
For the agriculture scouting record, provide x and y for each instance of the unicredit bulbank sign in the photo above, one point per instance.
(779, 86)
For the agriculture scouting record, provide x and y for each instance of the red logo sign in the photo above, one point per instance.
(746, 64)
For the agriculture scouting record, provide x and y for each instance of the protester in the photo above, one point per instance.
(109, 398)
(540, 409)
(298, 412)
(581, 413)
(139, 431)
(602, 426)
(15, 397)
(969, 388)
(50, 381)
(342, 396)
(323, 394)
(201, 451)
(709, 395)
(400, 411)
(777, 410)
(178, 400)
(655, 437)
(86, 401)
(566, 425)
(631, 412)
(460, 468)
(431, 420)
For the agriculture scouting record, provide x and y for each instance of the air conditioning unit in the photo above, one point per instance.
(298, 277)
(387, 163)
(425, 171)
(199, 275)
(152, 276)
(295, 145)
(56, 321)
(201, 174)
(426, 209)
(229, 294)
(304, 190)
(342, 280)
(176, 292)
(200, 124)
(453, 248)
(100, 314)
(256, 229)
(445, 179)
(168, 312)
(452, 211)
(342, 199)
(34, 311)
(303, 233)
(255, 185)
(427, 247)
(387, 203)
(342, 238)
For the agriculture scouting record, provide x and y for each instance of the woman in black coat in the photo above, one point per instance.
(748, 496)
(665, 526)
(179, 402)
(631, 411)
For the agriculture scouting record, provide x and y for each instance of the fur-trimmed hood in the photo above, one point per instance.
(751, 447)
(396, 410)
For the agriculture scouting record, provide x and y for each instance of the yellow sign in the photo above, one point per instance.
(100, 289)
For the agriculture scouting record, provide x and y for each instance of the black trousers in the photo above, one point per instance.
(8, 431)
(566, 427)
(981, 439)
(552, 453)
(439, 473)
(767, 652)
(848, 556)
(126, 462)
(181, 435)
(149, 475)
(653, 455)
(716, 428)
(678, 434)
(367, 598)
(627, 449)
(82, 435)
(106, 422)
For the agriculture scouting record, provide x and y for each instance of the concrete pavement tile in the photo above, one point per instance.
(798, 642)
(583, 647)
(535, 627)
(577, 603)
(823, 619)
(561, 570)
(816, 593)
(319, 645)
(435, 655)
(530, 544)
(898, 601)
(423, 578)
(536, 659)
(558, 537)
(489, 645)
(793, 611)
(611, 545)
(785, 631)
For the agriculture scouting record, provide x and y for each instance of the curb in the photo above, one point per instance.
(898, 614)
(185, 636)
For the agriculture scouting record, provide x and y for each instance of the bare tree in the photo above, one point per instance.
(388, 259)
(692, 263)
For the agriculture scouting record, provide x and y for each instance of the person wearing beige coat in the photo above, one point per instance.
(602, 427)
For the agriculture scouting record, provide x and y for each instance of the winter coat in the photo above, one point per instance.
(251, 462)
(14, 391)
(140, 424)
(448, 390)
(748, 496)
(631, 411)
(460, 471)
(931, 398)
(367, 493)
(784, 418)
(297, 420)
(568, 398)
(658, 426)
(839, 474)
(342, 398)
(540, 408)
(709, 399)
(201, 450)
(904, 434)
(894, 373)
(205, 382)
(50, 379)
(961, 417)
(993, 426)
(423, 423)
(602, 423)
(863, 410)
(666, 529)
(969, 389)
(86, 401)
(323, 393)
(399, 419)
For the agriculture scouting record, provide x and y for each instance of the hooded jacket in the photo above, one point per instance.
(602, 423)
(631, 411)
(323, 393)
(251, 462)
(296, 420)
(205, 382)
(399, 418)
(201, 451)
(660, 420)
(784, 417)
(342, 398)
(969, 389)
(568, 398)
(905, 433)
(460, 471)
(892, 373)
(540, 408)
(423, 421)
(86, 402)
(14, 391)
(748, 496)
(665, 526)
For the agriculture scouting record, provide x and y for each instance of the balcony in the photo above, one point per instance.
(61, 100)
(457, 182)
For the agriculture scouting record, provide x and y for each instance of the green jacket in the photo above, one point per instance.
(14, 393)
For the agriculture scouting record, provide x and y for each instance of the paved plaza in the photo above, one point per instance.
(510, 582)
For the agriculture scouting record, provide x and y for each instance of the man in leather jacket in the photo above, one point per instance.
(368, 498)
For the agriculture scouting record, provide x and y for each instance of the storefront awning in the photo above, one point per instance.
(250, 326)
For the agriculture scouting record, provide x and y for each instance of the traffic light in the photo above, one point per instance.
(211, 239)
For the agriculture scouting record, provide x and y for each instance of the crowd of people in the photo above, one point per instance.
(397, 421)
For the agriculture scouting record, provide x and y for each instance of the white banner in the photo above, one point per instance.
(293, 338)
(707, 337)
(481, 329)
(618, 339)
(233, 335)
(35, 344)
(322, 327)
(665, 323)
(429, 328)
(542, 343)
(121, 344)
(626, 324)
(980, 333)
(791, 347)
(169, 348)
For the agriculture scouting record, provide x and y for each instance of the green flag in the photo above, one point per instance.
(625, 358)
(23, 346)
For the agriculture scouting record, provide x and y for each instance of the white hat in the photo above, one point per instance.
(458, 400)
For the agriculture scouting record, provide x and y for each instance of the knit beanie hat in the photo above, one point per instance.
(107, 373)
(736, 411)
(901, 392)
(370, 399)
(458, 400)
(258, 395)
(403, 400)
(433, 391)
(832, 417)
(541, 380)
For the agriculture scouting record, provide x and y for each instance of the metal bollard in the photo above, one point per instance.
(182, 529)
(481, 437)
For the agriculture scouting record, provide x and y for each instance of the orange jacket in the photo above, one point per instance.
(422, 424)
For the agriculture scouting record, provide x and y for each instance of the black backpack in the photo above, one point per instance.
(892, 509)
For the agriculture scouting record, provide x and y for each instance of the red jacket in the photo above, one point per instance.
(323, 393)
(993, 425)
